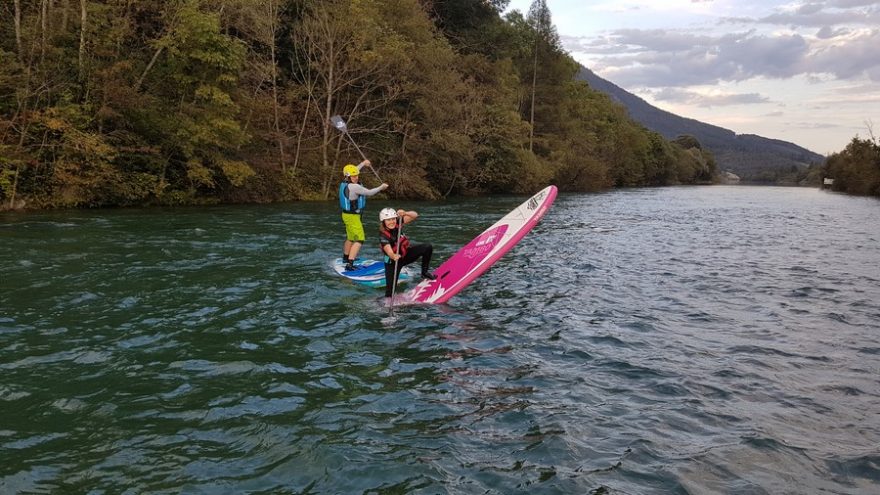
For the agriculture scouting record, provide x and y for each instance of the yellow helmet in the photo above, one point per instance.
(350, 170)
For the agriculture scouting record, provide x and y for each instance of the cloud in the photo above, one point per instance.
(759, 55)
(674, 95)
(659, 39)
(822, 18)
(845, 4)
(658, 58)
(847, 57)
(867, 96)
(859, 89)
(814, 125)
(809, 8)
(826, 32)
(820, 14)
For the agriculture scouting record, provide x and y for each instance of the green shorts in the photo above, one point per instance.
(354, 229)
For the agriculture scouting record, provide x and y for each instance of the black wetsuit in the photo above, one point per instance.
(411, 253)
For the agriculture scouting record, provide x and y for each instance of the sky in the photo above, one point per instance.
(804, 71)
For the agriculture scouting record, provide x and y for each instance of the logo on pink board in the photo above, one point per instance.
(484, 243)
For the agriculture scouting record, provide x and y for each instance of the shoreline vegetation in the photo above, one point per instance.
(856, 169)
(207, 101)
(229, 101)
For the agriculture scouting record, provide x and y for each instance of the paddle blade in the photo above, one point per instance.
(338, 123)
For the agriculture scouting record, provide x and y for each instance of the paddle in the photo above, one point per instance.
(397, 252)
(338, 123)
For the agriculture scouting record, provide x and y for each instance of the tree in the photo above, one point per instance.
(83, 24)
(856, 169)
(195, 83)
(339, 61)
(471, 27)
(259, 25)
(16, 19)
(546, 39)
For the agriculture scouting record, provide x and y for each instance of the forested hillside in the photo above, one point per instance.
(753, 158)
(197, 101)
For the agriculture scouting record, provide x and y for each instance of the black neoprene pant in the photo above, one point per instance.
(414, 252)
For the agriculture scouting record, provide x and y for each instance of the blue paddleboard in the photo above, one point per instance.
(368, 272)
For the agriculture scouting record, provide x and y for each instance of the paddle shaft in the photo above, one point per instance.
(396, 260)
(341, 125)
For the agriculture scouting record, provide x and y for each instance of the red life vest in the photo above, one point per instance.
(391, 235)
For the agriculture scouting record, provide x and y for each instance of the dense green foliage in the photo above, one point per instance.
(856, 169)
(191, 101)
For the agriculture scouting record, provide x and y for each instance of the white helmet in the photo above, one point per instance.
(387, 213)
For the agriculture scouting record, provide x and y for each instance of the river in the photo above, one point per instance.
(674, 340)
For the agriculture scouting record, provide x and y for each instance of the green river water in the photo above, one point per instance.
(678, 340)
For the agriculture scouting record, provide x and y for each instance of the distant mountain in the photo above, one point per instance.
(746, 155)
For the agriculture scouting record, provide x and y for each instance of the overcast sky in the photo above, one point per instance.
(805, 71)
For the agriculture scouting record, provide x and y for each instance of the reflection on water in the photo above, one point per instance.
(679, 340)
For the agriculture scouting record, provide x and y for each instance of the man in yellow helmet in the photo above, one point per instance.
(352, 200)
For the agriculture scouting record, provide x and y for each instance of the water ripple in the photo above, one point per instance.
(681, 340)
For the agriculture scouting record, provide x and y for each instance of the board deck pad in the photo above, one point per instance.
(483, 251)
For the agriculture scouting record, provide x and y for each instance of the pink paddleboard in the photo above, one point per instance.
(478, 255)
